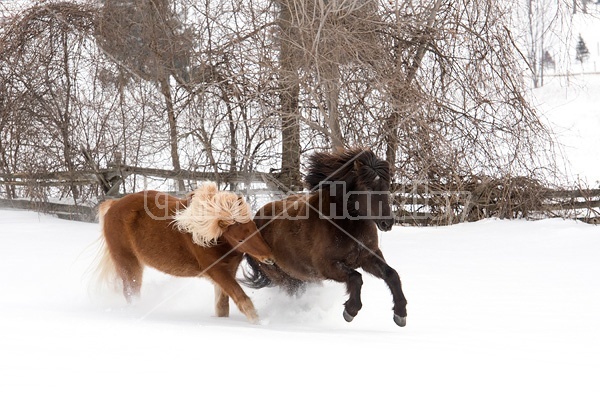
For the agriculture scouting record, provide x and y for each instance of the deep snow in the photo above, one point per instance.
(497, 309)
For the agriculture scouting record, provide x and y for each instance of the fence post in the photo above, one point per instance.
(114, 175)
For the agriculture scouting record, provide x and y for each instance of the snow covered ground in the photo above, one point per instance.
(497, 310)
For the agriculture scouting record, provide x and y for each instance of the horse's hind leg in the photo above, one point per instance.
(226, 280)
(339, 272)
(131, 271)
(221, 302)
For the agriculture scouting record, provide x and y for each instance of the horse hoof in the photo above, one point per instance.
(347, 316)
(400, 321)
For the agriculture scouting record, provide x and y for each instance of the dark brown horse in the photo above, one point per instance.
(205, 234)
(330, 232)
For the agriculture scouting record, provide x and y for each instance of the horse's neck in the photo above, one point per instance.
(327, 200)
(333, 205)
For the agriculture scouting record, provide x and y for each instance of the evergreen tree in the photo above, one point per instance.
(548, 60)
(581, 51)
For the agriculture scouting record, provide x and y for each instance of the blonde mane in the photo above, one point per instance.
(209, 212)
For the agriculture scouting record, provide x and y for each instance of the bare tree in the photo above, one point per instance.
(580, 5)
(147, 39)
(540, 25)
(472, 102)
(434, 85)
(41, 52)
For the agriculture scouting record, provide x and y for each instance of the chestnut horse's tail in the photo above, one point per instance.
(261, 275)
(106, 270)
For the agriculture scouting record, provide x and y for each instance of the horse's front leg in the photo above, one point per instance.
(377, 266)
(226, 281)
(340, 272)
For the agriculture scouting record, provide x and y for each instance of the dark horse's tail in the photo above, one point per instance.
(254, 277)
(259, 275)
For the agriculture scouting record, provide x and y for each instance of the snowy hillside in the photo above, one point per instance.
(570, 101)
(572, 109)
(588, 27)
(497, 310)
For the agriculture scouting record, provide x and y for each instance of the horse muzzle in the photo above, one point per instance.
(268, 261)
(385, 225)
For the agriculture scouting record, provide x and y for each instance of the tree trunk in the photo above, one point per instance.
(533, 37)
(65, 119)
(423, 42)
(331, 85)
(233, 144)
(391, 130)
(289, 98)
(391, 124)
(10, 189)
(166, 92)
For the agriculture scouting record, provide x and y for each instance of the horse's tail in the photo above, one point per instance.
(254, 277)
(261, 275)
(106, 269)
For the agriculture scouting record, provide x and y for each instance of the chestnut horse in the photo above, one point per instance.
(330, 232)
(205, 234)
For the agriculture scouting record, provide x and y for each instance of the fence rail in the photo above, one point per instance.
(74, 212)
(65, 178)
(414, 205)
(110, 181)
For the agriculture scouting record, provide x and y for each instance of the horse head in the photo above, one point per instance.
(369, 190)
(358, 181)
(246, 238)
(212, 215)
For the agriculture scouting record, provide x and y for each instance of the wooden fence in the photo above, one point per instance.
(413, 205)
(423, 206)
(110, 181)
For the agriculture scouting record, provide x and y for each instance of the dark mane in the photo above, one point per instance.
(348, 166)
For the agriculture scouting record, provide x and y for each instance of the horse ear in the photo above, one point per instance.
(357, 165)
(209, 189)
